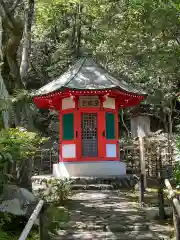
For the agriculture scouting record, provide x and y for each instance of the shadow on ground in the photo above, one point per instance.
(104, 215)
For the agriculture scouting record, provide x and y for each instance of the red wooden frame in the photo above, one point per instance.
(101, 125)
(61, 141)
(52, 100)
(88, 110)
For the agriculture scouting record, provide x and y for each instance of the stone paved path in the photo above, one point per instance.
(104, 215)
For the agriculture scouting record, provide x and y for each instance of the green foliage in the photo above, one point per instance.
(12, 226)
(17, 144)
(5, 236)
(138, 39)
(56, 216)
(60, 190)
(177, 174)
(5, 218)
(22, 96)
(177, 165)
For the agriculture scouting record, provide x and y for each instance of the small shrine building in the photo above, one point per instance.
(88, 99)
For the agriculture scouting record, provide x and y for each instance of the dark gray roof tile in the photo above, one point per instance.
(86, 74)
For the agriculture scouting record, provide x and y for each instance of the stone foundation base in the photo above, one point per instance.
(89, 169)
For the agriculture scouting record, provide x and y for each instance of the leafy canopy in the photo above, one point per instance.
(17, 144)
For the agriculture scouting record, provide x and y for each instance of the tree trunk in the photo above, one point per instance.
(24, 174)
(160, 178)
(122, 119)
(78, 30)
(29, 116)
(13, 27)
(29, 11)
(170, 136)
(3, 90)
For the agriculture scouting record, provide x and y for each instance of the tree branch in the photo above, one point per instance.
(8, 15)
(15, 26)
(15, 6)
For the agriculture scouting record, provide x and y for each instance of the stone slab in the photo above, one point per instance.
(89, 169)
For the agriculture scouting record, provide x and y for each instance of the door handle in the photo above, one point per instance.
(103, 133)
(76, 134)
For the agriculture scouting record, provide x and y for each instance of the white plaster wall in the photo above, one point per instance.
(68, 150)
(67, 103)
(110, 150)
(109, 103)
(89, 169)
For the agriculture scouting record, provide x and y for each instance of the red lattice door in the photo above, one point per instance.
(89, 135)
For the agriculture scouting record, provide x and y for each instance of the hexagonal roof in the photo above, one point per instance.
(86, 74)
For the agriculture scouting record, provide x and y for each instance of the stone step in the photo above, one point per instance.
(127, 180)
(109, 215)
(99, 235)
(95, 226)
(90, 183)
(92, 187)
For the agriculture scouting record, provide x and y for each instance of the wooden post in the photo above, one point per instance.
(141, 189)
(43, 230)
(142, 161)
(176, 221)
(176, 209)
(162, 213)
(140, 127)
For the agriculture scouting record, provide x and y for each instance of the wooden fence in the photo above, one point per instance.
(164, 184)
(154, 147)
(44, 160)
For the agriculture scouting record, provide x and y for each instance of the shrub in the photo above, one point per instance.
(16, 145)
(4, 235)
(60, 190)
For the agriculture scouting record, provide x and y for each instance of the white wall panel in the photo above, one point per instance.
(110, 150)
(67, 103)
(109, 103)
(68, 150)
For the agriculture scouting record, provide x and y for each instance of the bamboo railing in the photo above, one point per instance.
(163, 184)
(38, 211)
(176, 208)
